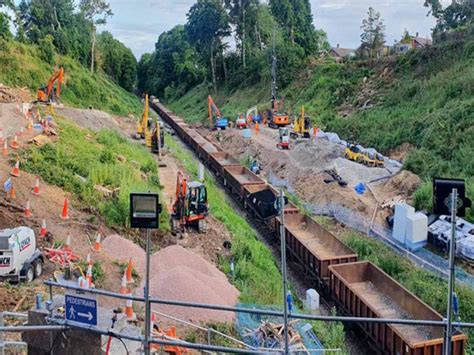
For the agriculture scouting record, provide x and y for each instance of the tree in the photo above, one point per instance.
(95, 11)
(296, 19)
(458, 13)
(208, 23)
(5, 27)
(117, 60)
(373, 35)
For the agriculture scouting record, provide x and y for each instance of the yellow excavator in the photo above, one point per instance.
(301, 126)
(143, 131)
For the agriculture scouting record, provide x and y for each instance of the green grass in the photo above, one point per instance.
(82, 159)
(428, 102)
(256, 274)
(22, 67)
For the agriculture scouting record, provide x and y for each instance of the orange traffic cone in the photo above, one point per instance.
(27, 209)
(152, 321)
(129, 309)
(5, 148)
(65, 213)
(43, 228)
(97, 245)
(36, 189)
(89, 275)
(16, 169)
(30, 125)
(128, 272)
(1, 136)
(67, 246)
(14, 144)
(123, 285)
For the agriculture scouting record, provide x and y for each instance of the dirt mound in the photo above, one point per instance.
(180, 274)
(404, 182)
(401, 152)
(11, 95)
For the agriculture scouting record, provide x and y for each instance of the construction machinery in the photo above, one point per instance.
(19, 258)
(216, 120)
(276, 118)
(284, 138)
(190, 206)
(241, 122)
(50, 92)
(352, 152)
(301, 126)
(253, 116)
(157, 137)
(144, 125)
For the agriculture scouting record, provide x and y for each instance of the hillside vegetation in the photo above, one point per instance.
(425, 98)
(25, 65)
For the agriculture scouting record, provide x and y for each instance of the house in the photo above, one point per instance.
(364, 51)
(420, 42)
(340, 53)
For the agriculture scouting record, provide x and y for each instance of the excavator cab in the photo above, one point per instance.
(301, 126)
(157, 138)
(190, 207)
(284, 136)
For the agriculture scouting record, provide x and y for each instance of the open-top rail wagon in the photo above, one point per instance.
(361, 289)
(237, 177)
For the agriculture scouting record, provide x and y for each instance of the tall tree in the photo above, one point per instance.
(458, 13)
(295, 17)
(242, 15)
(95, 11)
(373, 35)
(5, 27)
(208, 24)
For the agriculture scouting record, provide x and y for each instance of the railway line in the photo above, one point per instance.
(358, 288)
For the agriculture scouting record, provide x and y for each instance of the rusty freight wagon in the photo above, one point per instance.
(361, 289)
(313, 246)
(219, 160)
(260, 201)
(237, 177)
(205, 149)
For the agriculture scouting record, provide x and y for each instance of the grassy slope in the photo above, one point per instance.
(93, 156)
(428, 103)
(21, 66)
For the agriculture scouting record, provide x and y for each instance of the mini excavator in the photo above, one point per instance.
(190, 206)
(301, 126)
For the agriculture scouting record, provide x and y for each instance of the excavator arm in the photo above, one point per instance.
(143, 125)
(47, 94)
(213, 110)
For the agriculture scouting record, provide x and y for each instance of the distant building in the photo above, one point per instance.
(364, 51)
(340, 53)
(411, 42)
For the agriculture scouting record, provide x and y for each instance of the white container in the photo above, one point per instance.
(312, 300)
(416, 231)
(402, 212)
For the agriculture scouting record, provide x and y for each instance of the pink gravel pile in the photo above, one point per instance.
(122, 249)
(179, 274)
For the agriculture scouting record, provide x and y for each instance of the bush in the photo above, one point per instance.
(47, 49)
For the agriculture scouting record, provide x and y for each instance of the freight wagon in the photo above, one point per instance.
(237, 177)
(362, 289)
(313, 246)
(359, 288)
(219, 160)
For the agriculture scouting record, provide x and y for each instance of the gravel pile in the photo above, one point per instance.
(123, 249)
(180, 274)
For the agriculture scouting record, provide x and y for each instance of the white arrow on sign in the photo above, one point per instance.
(87, 315)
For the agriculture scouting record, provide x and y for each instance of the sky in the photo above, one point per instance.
(138, 23)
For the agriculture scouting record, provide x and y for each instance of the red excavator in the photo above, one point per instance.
(190, 206)
(50, 93)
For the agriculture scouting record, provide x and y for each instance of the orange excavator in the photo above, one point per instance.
(51, 93)
(190, 206)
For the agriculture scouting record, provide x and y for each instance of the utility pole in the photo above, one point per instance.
(452, 250)
(147, 296)
(283, 268)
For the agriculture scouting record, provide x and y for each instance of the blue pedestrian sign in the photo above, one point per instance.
(81, 308)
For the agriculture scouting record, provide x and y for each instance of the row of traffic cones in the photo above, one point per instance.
(64, 214)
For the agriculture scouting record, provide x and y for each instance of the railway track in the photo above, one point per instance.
(359, 289)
